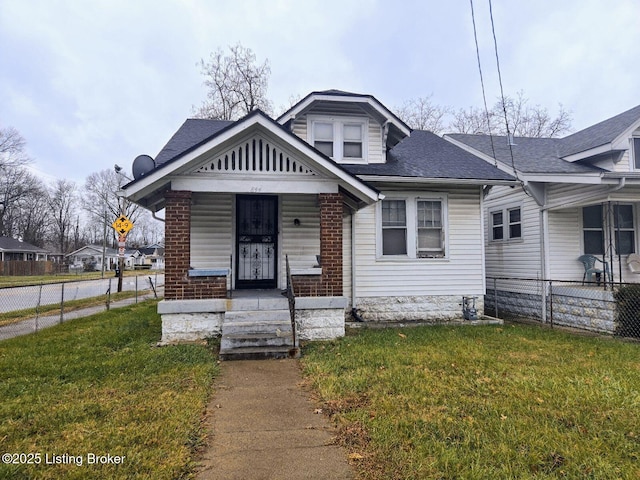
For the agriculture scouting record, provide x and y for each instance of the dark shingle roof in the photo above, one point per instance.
(9, 244)
(192, 132)
(421, 155)
(530, 155)
(599, 134)
(426, 155)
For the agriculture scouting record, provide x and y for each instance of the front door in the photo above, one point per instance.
(256, 234)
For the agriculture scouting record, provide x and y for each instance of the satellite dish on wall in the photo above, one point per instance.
(142, 165)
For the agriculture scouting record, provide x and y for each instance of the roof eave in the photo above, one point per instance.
(437, 180)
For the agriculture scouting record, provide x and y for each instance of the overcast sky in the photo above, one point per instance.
(93, 83)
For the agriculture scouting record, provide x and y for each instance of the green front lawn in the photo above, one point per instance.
(482, 402)
(99, 386)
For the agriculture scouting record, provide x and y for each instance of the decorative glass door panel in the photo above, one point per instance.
(257, 234)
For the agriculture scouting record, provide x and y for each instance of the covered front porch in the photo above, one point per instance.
(606, 229)
(226, 267)
(238, 204)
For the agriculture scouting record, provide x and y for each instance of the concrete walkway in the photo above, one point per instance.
(262, 426)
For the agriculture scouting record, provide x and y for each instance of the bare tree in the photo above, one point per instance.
(34, 219)
(421, 113)
(17, 187)
(100, 198)
(524, 120)
(12, 148)
(236, 84)
(62, 211)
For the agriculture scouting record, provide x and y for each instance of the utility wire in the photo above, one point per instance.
(504, 107)
(484, 96)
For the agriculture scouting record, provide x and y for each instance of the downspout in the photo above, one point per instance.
(482, 240)
(353, 262)
(544, 257)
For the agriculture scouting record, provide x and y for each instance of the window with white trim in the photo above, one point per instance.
(394, 227)
(593, 230)
(636, 152)
(343, 139)
(506, 224)
(515, 222)
(429, 225)
(413, 227)
(623, 224)
(497, 226)
(323, 137)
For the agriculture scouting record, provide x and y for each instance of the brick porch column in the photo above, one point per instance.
(331, 243)
(177, 235)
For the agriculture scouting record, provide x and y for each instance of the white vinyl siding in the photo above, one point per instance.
(301, 242)
(461, 273)
(515, 257)
(211, 230)
(565, 244)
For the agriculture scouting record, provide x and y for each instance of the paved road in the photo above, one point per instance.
(19, 298)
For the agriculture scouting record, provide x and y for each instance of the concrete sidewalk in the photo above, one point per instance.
(262, 425)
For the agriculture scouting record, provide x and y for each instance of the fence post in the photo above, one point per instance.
(35, 325)
(136, 288)
(62, 304)
(109, 295)
(551, 302)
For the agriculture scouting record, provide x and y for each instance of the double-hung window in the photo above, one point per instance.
(515, 222)
(497, 225)
(429, 227)
(506, 224)
(624, 229)
(394, 227)
(323, 137)
(636, 152)
(592, 230)
(341, 138)
(352, 140)
(413, 227)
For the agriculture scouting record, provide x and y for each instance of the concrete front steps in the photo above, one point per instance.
(256, 330)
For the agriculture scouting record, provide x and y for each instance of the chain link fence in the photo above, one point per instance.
(29, 308)
(612, 308)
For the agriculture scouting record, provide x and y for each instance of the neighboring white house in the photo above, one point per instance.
(393, 216)
(89, 258)
(578, 195)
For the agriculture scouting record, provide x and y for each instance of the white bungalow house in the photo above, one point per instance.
(578, 195)
(89, 258)
(374, 220)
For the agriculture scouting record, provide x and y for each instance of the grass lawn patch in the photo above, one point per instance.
(76, 393)
(482, 402)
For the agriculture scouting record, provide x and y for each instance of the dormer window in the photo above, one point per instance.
(323, 137)
(636, 152)
(343, 139)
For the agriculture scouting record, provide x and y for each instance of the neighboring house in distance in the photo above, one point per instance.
(89, 258)
(152, 257)
(579, 195)
(12, 249)
(393, 216)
